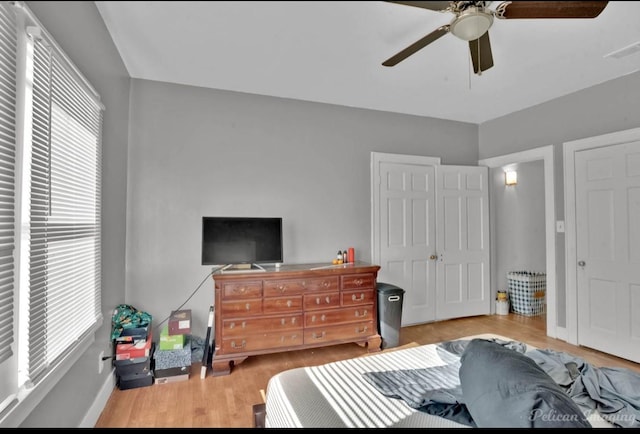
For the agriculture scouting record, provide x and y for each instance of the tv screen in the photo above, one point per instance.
(241, 240)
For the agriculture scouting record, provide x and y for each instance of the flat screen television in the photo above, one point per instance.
(241, 240)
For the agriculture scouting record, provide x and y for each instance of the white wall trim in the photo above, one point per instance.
(569, 150)
(93, 414)
(544, 153)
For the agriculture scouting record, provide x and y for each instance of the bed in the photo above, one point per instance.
(363, 392)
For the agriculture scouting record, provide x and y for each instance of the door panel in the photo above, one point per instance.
(607, 247)
(407, 237)
(462, 239)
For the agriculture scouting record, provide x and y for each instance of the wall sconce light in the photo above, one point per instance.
(510, 177)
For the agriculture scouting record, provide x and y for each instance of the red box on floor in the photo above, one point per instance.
(180, 322)
(134, 350)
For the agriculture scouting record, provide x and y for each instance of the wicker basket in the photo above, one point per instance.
(527, 292)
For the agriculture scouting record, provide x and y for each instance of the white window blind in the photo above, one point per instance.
(65, 227)
(8, 55)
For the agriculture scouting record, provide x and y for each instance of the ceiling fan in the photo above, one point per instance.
(473, 19)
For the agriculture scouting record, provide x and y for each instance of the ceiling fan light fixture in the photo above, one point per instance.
(471, 24)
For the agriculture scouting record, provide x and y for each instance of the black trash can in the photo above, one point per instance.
(389, 313)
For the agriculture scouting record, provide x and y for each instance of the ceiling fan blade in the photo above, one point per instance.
(550, 9)
(481, 56)
(434, 6)
(419, 44)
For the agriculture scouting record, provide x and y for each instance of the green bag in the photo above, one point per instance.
(126, 316)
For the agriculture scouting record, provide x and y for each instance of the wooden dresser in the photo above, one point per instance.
(293, 307)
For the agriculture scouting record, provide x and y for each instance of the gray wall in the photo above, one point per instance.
(605, 108)
(518, 212)
(198, 152)
(79, 30)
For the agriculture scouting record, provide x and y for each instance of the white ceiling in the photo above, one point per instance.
(332, 51)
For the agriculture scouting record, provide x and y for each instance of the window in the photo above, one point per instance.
(50, 229)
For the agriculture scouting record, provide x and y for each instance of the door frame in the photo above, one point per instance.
(571, 267)
(376, 159)
(544, 153)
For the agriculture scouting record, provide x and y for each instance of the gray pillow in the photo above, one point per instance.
(504, 388)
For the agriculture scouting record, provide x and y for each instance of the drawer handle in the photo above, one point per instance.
(364, 313)
(364, 330)
(241, 346)
(247, 306)
(289, 303)
(326, 284)
(233, 325)
(283, 321)
(241, 290)
(327, 299)
(353, 297)
(318, 336)
(358, 282)
(282, 288)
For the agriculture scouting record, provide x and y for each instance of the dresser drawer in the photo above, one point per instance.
(353, 331)
(241, 307)
(282, 304)
(338, 316)
(357, 297)
(262, 341)
(274, 288)
(242, 327)
(245, 289)
(356, 281)
(321, 300)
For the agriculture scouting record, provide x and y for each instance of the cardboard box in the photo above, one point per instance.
(171, 342)
(140, 365)
(172, 372)
(133, 334)
(172, 379)
(134, 350)
(180, 322)
(135, 380)
(164, 359)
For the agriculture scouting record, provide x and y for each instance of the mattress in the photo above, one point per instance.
(338, 394)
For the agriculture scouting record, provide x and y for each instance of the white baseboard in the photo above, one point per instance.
(94, 412)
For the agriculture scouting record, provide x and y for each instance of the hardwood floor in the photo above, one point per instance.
(226, 401)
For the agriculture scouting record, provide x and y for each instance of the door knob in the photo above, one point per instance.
(433, 257)
(582, 263)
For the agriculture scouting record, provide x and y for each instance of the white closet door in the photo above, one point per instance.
(463, 245)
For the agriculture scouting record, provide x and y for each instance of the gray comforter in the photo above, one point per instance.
(420, 389)
(613, 392)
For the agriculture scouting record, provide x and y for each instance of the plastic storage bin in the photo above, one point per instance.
(527, 292)
(390, 299)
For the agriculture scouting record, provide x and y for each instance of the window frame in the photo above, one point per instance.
(16, 406)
